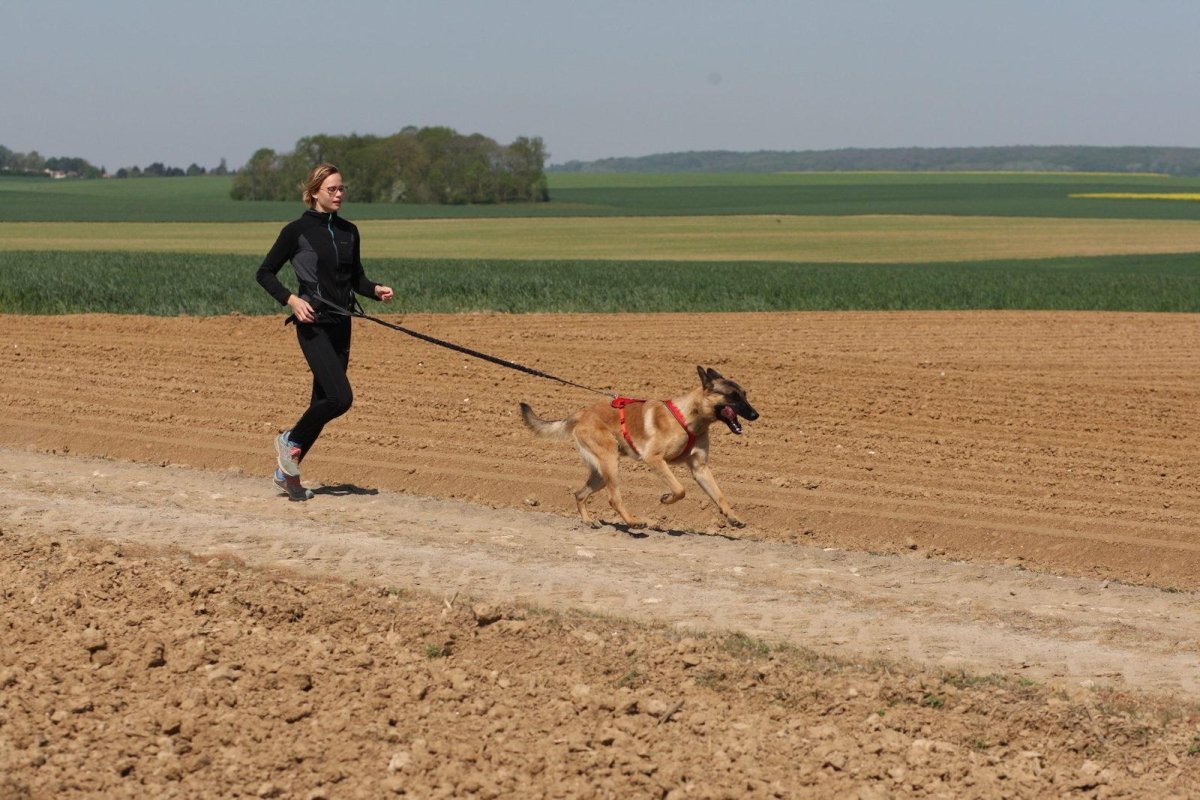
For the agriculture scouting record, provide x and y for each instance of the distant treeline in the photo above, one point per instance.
(426, 165)
(1165, 160)
(32, 163)
(160, 170)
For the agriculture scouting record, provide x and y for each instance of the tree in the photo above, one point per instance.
(26, 162)
(76, 167)
(527, 162)
(415, 165)
(258, 180)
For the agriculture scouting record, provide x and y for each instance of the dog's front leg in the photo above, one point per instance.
(708, 483)
(664, 471)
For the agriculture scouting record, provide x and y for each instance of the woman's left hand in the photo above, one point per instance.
(384, 293)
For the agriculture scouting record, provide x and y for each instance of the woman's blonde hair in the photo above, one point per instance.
(312, 184)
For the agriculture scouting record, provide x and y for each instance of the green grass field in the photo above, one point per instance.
(206, 199)
(649, 243)
(206, 284)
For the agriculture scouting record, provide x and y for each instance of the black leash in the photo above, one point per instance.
(358, 312)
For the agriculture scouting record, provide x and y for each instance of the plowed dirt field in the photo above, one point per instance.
(981, 530)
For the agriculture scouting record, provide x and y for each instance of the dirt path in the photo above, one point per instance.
(984, 619)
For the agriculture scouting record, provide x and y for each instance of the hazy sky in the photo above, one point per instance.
(121, 82)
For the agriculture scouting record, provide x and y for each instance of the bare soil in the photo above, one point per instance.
(970, 568)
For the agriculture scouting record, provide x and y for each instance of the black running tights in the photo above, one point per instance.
(327, 350)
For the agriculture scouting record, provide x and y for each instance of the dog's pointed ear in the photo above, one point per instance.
(713, 375)
(705, 381)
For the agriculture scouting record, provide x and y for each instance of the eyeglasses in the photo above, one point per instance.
(336, 189)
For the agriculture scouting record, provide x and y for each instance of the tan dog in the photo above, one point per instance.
(656, 431)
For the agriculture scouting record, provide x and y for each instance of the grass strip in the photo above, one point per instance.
(900, 239)
(206, 199)
(169, 284)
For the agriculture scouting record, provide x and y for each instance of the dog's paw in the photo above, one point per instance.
(737, 523)
(669, 498)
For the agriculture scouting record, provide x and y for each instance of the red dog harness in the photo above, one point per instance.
(619, 403)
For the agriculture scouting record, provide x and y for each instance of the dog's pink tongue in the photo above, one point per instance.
(728, 413)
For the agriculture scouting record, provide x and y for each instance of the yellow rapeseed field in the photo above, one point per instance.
(1140, 195)
(865, 239)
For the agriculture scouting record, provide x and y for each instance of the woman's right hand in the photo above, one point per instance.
(301, 308)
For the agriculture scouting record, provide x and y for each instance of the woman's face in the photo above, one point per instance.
(330, 195)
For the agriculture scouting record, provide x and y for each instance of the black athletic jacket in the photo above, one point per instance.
(323, 249)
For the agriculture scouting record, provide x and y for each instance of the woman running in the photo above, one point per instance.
(324, 251)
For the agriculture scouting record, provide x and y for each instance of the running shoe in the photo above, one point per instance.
(288, 455)
(291, 486)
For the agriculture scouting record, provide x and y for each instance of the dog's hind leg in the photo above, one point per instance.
(594, 483)
(601, 455)
(614, 500)
(606, 464)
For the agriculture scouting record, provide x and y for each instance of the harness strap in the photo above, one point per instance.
(683, 423)
(620, 403)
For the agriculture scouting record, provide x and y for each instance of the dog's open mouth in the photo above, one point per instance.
(730, 418)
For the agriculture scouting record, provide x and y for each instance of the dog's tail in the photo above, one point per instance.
(550, 429)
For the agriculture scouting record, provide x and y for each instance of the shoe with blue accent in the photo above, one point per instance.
(287, 454)
(291, 486)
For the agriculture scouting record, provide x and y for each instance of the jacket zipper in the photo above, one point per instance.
(329, 227)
